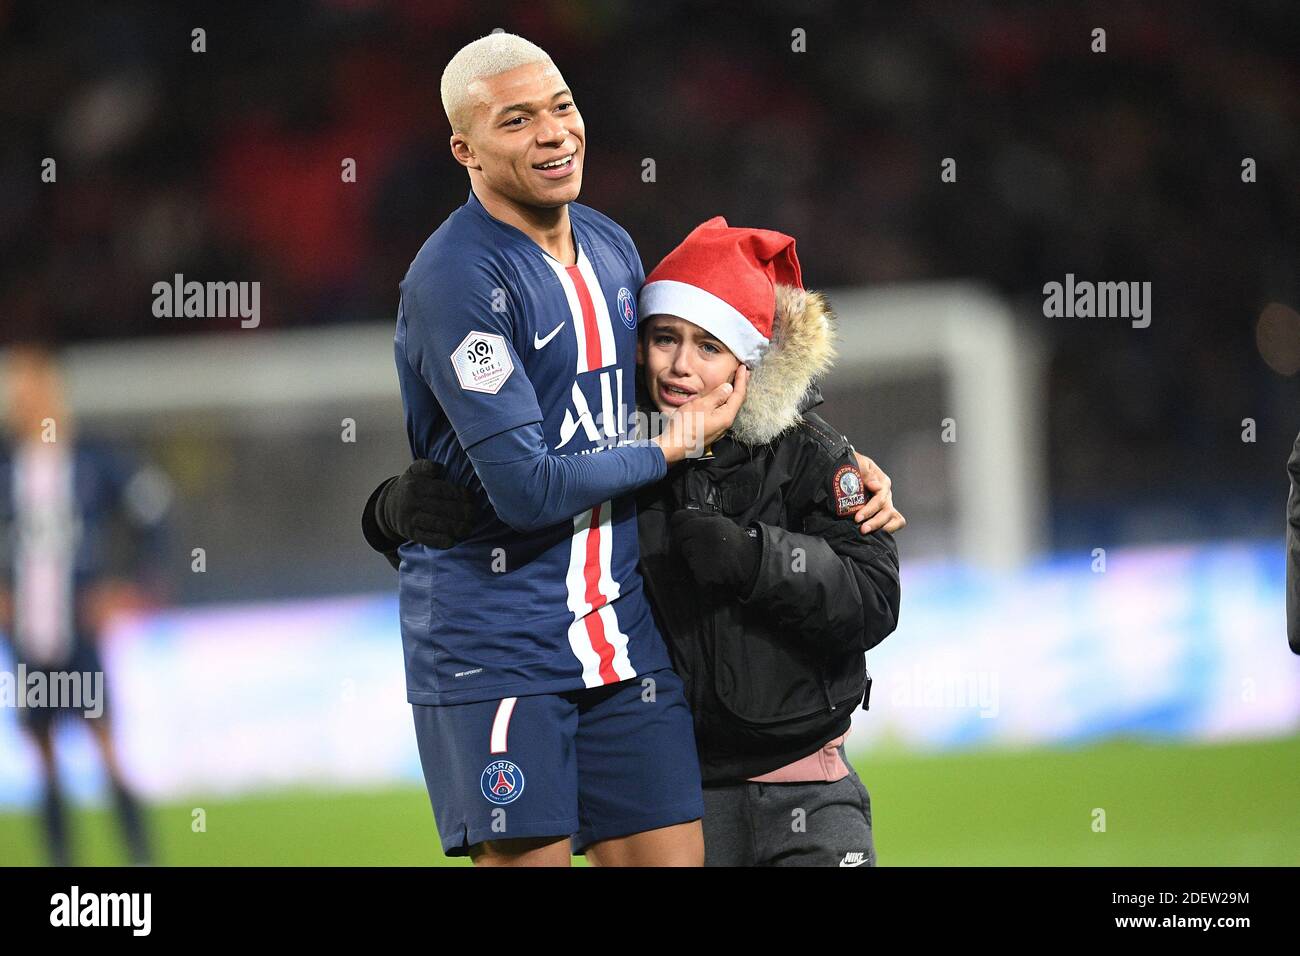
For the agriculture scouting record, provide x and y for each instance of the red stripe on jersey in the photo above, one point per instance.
(589, 325)
(595, 626)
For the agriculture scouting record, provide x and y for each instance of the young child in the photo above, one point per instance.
(763, 587)
(765, 591)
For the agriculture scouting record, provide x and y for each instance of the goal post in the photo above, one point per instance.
(992, 420)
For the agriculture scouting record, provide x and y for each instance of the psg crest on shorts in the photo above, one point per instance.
(502, 781)
(627, 308)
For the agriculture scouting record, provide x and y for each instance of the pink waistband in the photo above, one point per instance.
(823, 765)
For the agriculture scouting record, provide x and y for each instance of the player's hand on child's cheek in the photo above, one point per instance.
(879, 511)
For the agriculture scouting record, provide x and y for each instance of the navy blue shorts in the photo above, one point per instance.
(592, 764)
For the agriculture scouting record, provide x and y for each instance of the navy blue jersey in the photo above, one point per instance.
(58, 503)
(493, 334)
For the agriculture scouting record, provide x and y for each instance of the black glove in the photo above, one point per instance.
(720, 553)
(420, 505)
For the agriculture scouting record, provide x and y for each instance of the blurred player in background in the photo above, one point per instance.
(60, 501)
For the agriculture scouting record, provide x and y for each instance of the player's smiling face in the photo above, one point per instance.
(527, 140)
(682, 361)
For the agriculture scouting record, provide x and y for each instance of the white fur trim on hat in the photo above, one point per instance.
(701, 307)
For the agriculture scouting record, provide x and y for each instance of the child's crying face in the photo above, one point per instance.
(681, 361)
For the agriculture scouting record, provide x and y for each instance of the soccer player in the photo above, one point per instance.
(59, 499)
(546, 714)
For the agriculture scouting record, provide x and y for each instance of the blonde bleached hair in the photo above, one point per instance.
(487, 56)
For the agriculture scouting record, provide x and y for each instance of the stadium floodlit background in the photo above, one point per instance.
(1091, 665)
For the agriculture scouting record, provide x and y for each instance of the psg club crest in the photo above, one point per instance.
(848, 490)
(627, 308)
(502, 781)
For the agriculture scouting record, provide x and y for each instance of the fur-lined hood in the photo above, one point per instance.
(801, 350)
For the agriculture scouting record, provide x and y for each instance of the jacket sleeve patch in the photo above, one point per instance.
(847, 490)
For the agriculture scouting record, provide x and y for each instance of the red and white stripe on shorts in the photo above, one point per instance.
(501, 724)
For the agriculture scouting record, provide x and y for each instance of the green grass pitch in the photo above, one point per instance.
(1172, 805)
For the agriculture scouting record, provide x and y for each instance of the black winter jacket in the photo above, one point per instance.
(776, 674)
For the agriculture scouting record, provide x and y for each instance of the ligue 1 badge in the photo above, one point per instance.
(482, 362)
(848, 490)
(627, 308)
(502, 781)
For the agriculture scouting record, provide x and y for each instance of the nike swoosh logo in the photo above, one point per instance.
(854, 863)
(540, 343)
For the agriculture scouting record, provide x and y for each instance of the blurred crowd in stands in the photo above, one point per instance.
(1117, 166)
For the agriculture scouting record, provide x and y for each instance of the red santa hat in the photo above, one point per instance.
(724, 280)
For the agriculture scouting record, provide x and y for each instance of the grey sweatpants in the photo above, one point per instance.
(789, 824)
